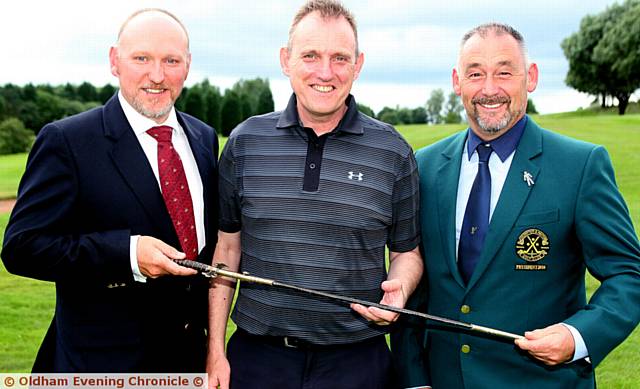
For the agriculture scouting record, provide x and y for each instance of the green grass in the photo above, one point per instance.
(12, 168)
(26, 306)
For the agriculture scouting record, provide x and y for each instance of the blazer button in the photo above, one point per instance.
(186, 326)
(465, 309)
(465, 348)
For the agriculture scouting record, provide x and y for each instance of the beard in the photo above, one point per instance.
(139, 106)
(150, 113)
(490, 125)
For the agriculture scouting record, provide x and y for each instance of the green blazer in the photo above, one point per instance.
(576, 219)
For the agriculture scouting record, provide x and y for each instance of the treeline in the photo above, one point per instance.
(24, 110)
(435, 111)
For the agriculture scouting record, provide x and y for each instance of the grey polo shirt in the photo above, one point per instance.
(316, 212)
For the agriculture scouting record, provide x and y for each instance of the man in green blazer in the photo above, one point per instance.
(507, 239)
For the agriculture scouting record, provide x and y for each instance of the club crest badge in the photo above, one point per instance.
(532, 246)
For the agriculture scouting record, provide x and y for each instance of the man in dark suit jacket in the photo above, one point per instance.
(91, 217)
(554, 211)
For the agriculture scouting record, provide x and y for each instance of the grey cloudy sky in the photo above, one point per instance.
(410, 46)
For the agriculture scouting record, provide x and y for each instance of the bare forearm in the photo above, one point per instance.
(406, 267)
(221, 293)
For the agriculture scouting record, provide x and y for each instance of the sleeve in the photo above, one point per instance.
(42, 239)
(228, 190)
(612, 255)
(405, 229)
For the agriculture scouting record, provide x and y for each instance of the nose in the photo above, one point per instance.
(156, 73)
(324, 70)
(490, 86)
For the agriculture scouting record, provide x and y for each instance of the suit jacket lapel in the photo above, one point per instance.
(203, 158)
(512, 198)
(447, 188)
(133, 165)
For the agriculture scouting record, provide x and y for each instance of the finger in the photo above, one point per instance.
(381, 314)
(363, 311)
(391, 286)
(175, 269)
(169, 251)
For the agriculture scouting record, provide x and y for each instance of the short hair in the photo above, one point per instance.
(327, 9)
(499, 29)
(160, 10)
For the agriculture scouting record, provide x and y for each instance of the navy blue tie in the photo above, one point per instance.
(476, 216)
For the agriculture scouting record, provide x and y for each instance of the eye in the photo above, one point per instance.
(504, 74)
(309, 56)
(474, 75)
(141, 58)
(173, 61)
(341, 58)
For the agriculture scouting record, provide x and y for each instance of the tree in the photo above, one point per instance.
(195, 103)
(531, 108)
(404, 115)
(87, 92)
(106, 92)
(419, 115)
(213, 100)
(230, 113)
(434, 106)
(600, 72)
(249, 92)
(452, 109)
(618, 49)
(388, 115)
(365, 110)
(14, 137)
(265, 101)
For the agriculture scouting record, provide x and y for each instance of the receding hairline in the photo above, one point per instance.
(152, 10)
(497, 29)
(327, 9)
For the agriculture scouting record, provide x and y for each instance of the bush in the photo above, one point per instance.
(14, 137)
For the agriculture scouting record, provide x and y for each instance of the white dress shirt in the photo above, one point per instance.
(140, 124)
(499, 170)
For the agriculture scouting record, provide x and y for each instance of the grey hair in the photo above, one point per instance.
(327, 9)
(498, 29)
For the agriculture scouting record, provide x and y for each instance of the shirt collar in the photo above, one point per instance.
(349, 122)
(140, 123)
(503, 145)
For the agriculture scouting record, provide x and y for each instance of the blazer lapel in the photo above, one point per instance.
(512, 198)
(133, 165)
(203, 158)
(447, 188)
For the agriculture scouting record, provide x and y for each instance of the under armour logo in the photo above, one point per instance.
(353, 176)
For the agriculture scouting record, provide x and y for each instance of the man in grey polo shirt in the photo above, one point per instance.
(310, 196)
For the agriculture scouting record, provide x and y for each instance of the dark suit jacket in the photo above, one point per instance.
(88, 187)
(575, 203)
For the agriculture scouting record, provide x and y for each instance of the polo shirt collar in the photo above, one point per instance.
(349, 122)
(503, 145)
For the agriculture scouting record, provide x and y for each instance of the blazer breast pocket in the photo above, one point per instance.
(537, 218)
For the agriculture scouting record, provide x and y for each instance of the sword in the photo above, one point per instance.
(218, 270)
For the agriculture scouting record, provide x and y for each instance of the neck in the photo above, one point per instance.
(322, 124)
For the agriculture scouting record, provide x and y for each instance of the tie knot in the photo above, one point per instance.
(161, 133)
(484, 151)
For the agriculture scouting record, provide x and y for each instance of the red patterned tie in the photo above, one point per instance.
(175, 190)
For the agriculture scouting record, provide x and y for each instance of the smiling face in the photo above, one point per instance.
(151, 61)
(493, 79)
(321, 64)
